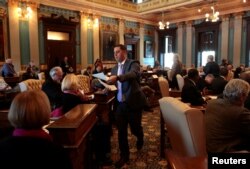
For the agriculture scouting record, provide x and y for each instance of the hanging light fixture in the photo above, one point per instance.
(24, 10)
(214, 17)
(162, 24)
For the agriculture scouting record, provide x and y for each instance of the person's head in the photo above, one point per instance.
(224, 62)
(30, 110)
(223, 72)
(209, 78)
(120, 53)
(32, 63)
(56, 74)
(193, 74)
(65, 58)
(245, 76)
(8, 60)
(176, 57)
(229, 67)
(70, 82)
(210, 58)
(236, 91)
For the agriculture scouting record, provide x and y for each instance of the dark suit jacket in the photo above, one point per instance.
(227, 126)
(131, 90)
(31, 152)
(191, 94)
(54, 92)
(212, 68)
(218, 85)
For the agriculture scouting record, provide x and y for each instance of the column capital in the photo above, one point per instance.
(189, 23)
(238, 15)
(3, 12)
(225, 17)
(121, 20)
(141, 24)
(180, 24)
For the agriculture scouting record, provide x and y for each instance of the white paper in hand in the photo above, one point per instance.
(110, 87)
(101, 76)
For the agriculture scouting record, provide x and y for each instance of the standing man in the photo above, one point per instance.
(130, 101)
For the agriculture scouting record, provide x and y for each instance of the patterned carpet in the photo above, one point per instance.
(149, 156)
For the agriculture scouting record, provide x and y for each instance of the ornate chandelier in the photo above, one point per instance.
(162, 24)
(214, 17)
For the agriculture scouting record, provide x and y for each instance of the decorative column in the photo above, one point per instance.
(14, 34)
(141, 48)
(189, 44)
(96, 36)
(3, 14)
(33, 35)
(84, 28)
(237, 38)
(224, 36)
(180, 40)
(121, 30)
(156, 44)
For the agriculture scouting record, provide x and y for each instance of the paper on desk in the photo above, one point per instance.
(155, 76)
(110, 87)
(101, 76)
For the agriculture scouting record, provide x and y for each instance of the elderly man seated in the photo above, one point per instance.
(8, 69)
(227, 121)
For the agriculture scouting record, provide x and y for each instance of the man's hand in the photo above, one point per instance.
(112, 79)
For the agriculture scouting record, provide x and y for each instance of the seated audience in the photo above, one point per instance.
(237, 72)
(98, 67)
(218, 84)
(230, 72)
(52, 87)
(88, 72)
(30, 146)
(190, 92)
(72, 95)
(246, 76)
(31, 71)
(8, 69)
(224, 63)
(227, 121)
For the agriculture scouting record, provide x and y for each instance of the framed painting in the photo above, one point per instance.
(108, 41)
(148, 49)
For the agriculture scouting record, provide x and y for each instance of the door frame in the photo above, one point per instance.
(59, 24)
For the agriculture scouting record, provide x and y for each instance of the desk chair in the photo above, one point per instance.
(164, 86)
(186, 132)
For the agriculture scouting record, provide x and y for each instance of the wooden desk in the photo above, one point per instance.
(5, 126)
(72, 131)
(12, 81)
(103, 128)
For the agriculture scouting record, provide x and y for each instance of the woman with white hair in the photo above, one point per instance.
(227, 121)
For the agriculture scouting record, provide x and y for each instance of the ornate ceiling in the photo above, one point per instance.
(151, 11)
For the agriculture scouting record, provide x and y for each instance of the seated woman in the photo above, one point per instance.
(72, 95)
(30, 144)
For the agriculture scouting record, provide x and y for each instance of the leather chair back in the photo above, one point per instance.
(84, 83)
(164, 86)
(185, 127)
(31, 84)
(180, 81)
